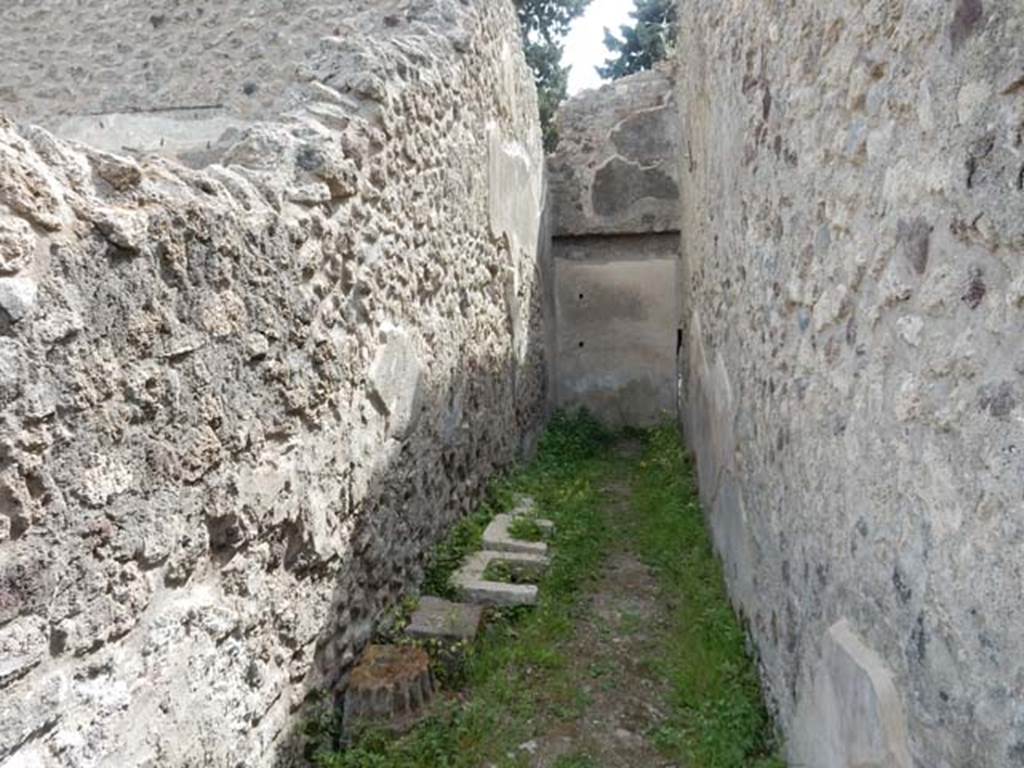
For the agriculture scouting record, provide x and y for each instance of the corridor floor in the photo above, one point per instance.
(633, 657)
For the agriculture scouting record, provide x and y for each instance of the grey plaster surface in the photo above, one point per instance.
(616, 342)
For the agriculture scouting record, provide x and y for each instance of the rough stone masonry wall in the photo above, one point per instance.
(175, 76)
(614, 210)
(67, 57)
(853, 177)
(238, 405)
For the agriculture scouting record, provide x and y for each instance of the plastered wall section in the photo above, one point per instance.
(615, 310)
(615, 220)
(238, 406)
(853, 211)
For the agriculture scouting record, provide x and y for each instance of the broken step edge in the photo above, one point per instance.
(526, 507)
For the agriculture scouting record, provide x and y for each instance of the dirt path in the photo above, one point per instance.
(611, 651)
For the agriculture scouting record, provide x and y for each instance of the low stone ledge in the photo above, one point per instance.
(471, 585)
(498, 538)
(437, 619)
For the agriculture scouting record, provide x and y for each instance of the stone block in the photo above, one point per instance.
(472, 586)
(525, 506)
(395, 379)
(17, 244)
(23, 645)
(18, 297)
(437, 619)
(35, 706)
(497, 537)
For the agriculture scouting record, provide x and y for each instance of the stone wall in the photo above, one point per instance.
(614, 196)
(854, 226)
(238, 405)
(178, 76)
(67, 57)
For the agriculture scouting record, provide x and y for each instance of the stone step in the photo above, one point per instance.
(525, 506)
(498, 538)
(437, 619)
(470, 583)
(545, 525)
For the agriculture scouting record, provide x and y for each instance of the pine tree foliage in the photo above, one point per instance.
(647, 41)
(544, 25)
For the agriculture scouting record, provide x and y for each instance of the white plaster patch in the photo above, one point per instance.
(852, 714)
(970, 98)
(18, 297)
(105, 478)
(910, 328)
(396, 381)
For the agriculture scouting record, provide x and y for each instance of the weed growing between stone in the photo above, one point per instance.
(525, 529)
(517, 682)
(515, 671)
(513, 573)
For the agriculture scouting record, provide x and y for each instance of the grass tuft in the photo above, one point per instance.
(525, 529)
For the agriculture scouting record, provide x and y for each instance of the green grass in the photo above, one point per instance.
(513, 573)
(575, 761)
(517, 681)
(517, 670)
(525, 529)
(718, 719)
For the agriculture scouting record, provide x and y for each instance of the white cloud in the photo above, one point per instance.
(584, 45)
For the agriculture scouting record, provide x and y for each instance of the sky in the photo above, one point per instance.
(584, 45)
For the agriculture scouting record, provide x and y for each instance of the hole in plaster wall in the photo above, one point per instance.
(581, 345)
(581, 297)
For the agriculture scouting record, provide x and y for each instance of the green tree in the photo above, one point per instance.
(647, 41)
(544, 25)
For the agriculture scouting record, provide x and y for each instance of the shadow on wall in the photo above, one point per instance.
(423, 483)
